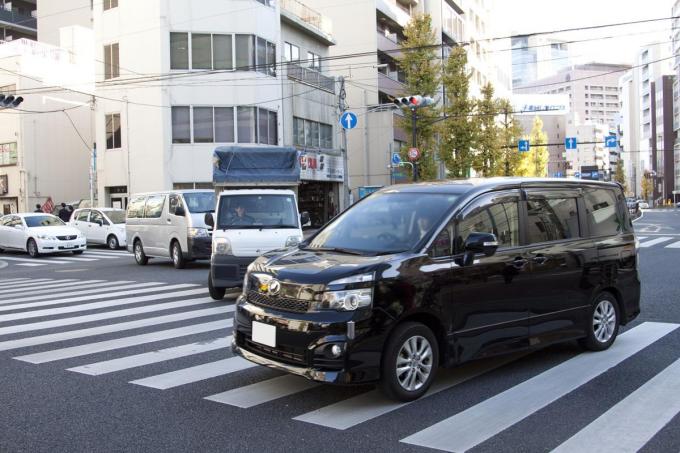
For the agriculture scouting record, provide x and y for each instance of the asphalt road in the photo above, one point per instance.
(124, 364)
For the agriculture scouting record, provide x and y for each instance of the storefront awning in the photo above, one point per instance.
(255, 165)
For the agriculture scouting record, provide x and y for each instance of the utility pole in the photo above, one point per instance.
(507, 139)
(342, 95)
(414, 140)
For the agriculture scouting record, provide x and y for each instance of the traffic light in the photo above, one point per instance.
(10, 102)
(414, 102)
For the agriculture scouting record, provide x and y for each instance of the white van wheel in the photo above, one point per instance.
(140, 256)
(177, 258)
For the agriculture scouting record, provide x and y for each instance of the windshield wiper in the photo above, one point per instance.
(335, 249)
(273, 227)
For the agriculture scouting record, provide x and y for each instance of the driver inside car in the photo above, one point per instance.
(241, 218)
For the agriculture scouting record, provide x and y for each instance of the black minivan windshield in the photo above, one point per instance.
(384, 223)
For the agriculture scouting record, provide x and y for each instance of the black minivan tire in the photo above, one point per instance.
(604, 308)
(140, 256)
(412, 333)
(215, 292)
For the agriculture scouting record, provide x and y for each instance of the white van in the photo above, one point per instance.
(170, 225)
(247, 224)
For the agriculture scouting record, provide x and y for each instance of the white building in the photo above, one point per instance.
(45, 144)
(176, 78)
(629, 131)
(591, 153)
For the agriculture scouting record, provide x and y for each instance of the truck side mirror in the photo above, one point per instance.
(209, 219)
(180, 212)
(304, 218)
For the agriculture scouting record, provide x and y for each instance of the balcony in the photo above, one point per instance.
(13, 19)
(388, 44)
(394, 11)
(390, 85)
(311, 77)
(307, 20)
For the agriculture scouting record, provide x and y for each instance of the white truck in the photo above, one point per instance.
(256, 211)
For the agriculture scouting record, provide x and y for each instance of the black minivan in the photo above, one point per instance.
(419, 276)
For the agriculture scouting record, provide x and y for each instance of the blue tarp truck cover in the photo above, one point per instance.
(262, 165)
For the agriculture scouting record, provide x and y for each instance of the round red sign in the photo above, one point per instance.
(413, 154)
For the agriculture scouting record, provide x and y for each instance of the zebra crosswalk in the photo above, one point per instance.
(157, 337)
(669, 242)
(88, 256)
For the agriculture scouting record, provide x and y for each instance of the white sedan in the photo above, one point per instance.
(38, 234)
(101, 226)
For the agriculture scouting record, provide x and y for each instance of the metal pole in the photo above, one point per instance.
(507, 137)
(414, 117)
(345, 173)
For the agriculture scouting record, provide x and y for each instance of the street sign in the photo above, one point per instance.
(349, 120)
(413, 154)
(610, 141)
(577, 174)
(558, 174)
(523, 145)
(570, 143)
(396, 159)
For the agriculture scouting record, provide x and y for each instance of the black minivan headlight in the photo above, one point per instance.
(349, 300)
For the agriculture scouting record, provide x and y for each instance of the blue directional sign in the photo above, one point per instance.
(577, 174)
(349, 120)
(523, 145)
(396, 159)
(570, 143)
(610, 141)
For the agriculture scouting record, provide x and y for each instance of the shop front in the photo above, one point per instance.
(321, 180)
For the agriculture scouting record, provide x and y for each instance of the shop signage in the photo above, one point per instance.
(321, 167)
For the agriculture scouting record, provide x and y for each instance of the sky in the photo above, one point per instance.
(525, 16)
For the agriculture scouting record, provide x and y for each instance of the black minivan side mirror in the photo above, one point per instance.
(209, 219)
(485, 243)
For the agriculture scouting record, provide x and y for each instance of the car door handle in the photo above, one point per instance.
(519, 262)
(540, 259)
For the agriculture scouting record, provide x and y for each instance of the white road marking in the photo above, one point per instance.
(473, 426)
(28, 284)
(53, 287)
(71, 258)
(195, 374)
(147, 358)
(109, 328)
(675, 245)
(656, 241)
(34, 260)
(12, 280)
(96, 305)
(120, 343)
(30, 265)
(263, 392)
(631, 423)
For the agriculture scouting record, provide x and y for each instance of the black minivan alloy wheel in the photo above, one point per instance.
(140, 256)
(603, 322)
(409, 362)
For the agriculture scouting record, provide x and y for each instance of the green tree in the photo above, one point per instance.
(647, 186)
(535, 161)
(458, 131)
(488, 154)
(510, 131)
(421, 68)
(620, 175)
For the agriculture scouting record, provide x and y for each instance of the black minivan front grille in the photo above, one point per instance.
(280, 303)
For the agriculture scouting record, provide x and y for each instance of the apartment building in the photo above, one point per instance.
(591, 160)
(18, 20)
(593, 90)
(537, 57)
(45, 144)
(663, 165)
(675, 49)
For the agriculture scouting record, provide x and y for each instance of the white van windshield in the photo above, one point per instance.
(200, 202)
(257, 212)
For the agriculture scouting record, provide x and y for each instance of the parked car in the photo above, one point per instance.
(249, 223)
(39, 234)
(101, 226)
(170, 225)
(643, 204)
(420, 276)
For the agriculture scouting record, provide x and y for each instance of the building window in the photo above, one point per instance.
(245, 124)
(312, 134)
(181, 125)
(8, 153)
(224, 124)
(111, 61)
(291, 52)
(314, 61)
(113, 135)
(203, 125)
(223, 52)
(110, 4)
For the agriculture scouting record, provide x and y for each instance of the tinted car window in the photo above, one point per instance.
(552, 219)
(501, 219)
(97, 217)
(154, 206)
(136, 207)
(443, 245)
(601, 212)
(42, 221)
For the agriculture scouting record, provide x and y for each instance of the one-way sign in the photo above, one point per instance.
(570, 143)
(349, 120)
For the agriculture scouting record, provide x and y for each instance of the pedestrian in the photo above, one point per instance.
(64, 213)
(38, 208)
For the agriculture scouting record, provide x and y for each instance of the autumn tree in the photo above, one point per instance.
(488, 154)
(458, 131)
(420, 65)
(535, 161)
(620, 176)
(647, 186)
(509, 134)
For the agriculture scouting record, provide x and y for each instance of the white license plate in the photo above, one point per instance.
(69, 245)
(264, 334)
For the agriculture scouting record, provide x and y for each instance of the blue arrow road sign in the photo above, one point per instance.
(396, 158)
(577, 174)
(610, 141)
(523, 145)
(570, 143)
(349, 120)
